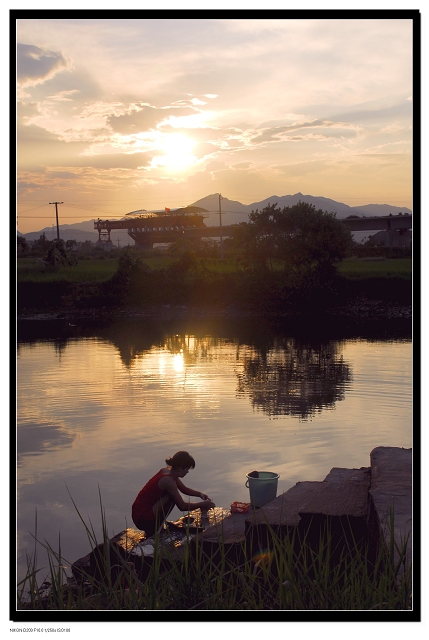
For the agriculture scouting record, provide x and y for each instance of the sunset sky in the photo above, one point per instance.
(116, 115)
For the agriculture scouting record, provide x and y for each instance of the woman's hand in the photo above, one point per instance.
(203, 496)
(208, 504)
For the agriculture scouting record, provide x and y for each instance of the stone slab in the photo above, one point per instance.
(344, 492)
(230, 529)
(391, 488)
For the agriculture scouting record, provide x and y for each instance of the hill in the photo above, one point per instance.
(235, 212)
(80, 231)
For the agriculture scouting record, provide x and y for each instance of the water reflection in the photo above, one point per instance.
(36, 438)
(100, 407)
(295, 379)
(280, 376)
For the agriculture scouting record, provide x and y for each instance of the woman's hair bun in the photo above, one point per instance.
(181, 459)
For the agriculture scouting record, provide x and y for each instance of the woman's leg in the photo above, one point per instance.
(163, 508)
(148, 526)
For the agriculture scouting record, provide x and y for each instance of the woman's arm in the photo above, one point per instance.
(190, 492)
(168, 484)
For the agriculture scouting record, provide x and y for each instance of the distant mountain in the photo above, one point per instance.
(380, 210)
(80, 231)
(233, 212)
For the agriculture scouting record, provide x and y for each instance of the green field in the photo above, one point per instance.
(357, 269)
(32, 270)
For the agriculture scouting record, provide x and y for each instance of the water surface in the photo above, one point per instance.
(100, 410)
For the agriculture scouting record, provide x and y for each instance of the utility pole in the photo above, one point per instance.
(56, 213)
(220, 222)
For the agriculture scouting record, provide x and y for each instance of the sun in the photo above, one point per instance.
(176, 149)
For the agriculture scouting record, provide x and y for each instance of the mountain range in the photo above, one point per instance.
(233, 212)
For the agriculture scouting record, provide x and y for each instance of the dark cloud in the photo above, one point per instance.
(145, 118)
(36, 65)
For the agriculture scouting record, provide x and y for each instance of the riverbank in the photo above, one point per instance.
(297, 552)
(361, 307)
(354, 293)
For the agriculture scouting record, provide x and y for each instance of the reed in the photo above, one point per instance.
(289, 573)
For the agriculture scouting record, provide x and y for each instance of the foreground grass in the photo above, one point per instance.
(289, 574)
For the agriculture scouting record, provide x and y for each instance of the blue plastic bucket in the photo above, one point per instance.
(262, 489)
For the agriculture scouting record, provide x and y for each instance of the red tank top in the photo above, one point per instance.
(147, 497)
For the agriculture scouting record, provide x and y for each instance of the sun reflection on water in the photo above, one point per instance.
(179, 362)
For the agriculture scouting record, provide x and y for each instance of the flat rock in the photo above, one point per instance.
(391, 490)
(228, 529)
(344, 492)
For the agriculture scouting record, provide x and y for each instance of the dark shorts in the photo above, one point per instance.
(150, 526)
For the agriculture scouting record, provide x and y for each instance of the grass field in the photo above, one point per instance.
(356, 269)
(32, 270)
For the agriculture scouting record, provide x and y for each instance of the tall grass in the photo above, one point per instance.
(289, 573)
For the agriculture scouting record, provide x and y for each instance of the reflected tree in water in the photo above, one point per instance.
(280, 375)
(294, 379)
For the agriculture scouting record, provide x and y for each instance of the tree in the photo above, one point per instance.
(201, 247)
(40, 246)
(303, 242)
(58, 256)
(22, 245)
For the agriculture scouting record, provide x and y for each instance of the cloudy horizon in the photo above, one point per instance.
(116, 115)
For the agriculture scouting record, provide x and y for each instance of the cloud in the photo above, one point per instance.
(242, 165)
(323, 128)
(302, 168)
(114, 160)
(27, 109)
(145, 118)
(203, 149)
(41, 147)
(375, 113)
(36, 65)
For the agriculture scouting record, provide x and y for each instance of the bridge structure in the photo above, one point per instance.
(149, 228)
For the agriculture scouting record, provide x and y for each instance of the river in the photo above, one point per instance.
(100, 407)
